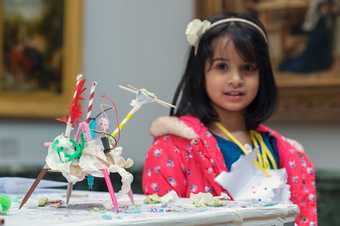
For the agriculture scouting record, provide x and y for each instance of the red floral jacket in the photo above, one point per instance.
(185, 157)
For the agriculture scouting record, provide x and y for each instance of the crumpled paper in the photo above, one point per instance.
(92, 161)
(55, 162)
(246, 182)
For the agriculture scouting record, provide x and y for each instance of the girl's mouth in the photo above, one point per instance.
(234, 95)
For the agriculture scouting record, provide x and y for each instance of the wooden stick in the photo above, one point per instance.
(69, 192)
(37, 180)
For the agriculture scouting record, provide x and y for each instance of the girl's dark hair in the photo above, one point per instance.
(191, 97)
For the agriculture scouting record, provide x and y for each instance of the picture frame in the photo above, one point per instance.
(40, 57)
(302, 97)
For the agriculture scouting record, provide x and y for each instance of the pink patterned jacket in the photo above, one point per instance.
(185, 157)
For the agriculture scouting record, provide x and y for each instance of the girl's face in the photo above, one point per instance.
(231, 83)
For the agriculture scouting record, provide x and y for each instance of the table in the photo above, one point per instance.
(86, 208)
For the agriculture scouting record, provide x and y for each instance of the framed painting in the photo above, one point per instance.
(305, 50)
(40, 56)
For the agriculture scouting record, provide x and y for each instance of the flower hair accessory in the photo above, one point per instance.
(196, 28)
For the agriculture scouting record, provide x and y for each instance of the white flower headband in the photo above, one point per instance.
(197, 28)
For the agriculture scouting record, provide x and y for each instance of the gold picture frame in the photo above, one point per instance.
(314, 97)
(33, 85)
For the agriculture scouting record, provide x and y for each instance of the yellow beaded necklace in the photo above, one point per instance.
(263, 157)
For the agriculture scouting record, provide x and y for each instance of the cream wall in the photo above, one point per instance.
(141, 43)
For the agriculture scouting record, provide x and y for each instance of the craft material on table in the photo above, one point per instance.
(88, 208)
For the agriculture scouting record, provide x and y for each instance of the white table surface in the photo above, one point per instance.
(86, 209)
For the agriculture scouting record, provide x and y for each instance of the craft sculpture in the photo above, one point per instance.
(93, 151)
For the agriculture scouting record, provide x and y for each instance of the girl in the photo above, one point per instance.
(225, 94)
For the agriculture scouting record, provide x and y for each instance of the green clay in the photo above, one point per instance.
(5, 204)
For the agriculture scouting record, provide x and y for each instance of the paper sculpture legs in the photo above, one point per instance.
(37, 180)
(106, 174)
(69, 192)
(130, 194)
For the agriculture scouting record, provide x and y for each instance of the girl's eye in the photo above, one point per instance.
(222, 66)
(249, 67)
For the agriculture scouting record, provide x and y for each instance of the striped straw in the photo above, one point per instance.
(79, 77)
(91, 99)
(68, 124)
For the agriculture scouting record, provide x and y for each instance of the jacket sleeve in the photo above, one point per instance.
(163, 168)
(306, 198)
(307, 204)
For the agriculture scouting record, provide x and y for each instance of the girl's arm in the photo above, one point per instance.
(307, 205)
(162, 169)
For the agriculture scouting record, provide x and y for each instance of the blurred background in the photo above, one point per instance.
(143, 43)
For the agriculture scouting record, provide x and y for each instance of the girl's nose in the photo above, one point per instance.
(236, 79)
